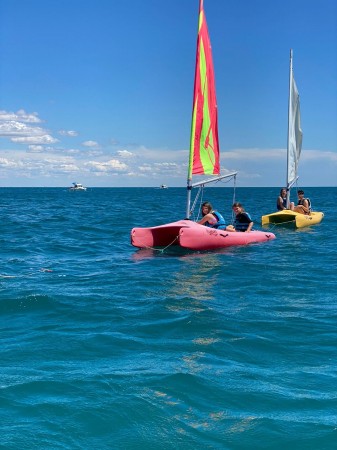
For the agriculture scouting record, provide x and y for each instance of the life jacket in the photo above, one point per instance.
(301, 202)
(242, 221)
(220, 224)
(284, 203)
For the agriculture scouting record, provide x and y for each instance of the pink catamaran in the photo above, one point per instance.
(204, 159)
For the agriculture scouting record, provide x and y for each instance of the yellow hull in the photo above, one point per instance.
(287, 217)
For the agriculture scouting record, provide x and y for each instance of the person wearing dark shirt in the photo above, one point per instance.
(303, 205)
(243, 221)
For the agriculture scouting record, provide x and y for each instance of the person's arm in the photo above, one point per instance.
(280, 205)
(250, 226)
(306, 206)
(230, 228)
(249, 221)
(205, 219)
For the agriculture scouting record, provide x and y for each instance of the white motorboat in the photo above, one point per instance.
(77, 187)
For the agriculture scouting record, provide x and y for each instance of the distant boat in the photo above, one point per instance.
(294, 147)
(204, 159)
(163, 186)
(77, 187)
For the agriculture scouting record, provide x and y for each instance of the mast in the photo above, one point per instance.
(189, 174)
(289, 126)
(295, 134)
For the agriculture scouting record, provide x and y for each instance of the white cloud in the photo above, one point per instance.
(19, 132)
(93, 153)
(109, 166)
(145, 168)
(309, 155)
(161, 155)
(254, 154)
(45, 139)
(15, 128)
(68, 168)
(90, 144)
(124, 154)
(166, 166)
(7, 164)
(72, 151)
(70, 133)
(20, 115)
(36, 148)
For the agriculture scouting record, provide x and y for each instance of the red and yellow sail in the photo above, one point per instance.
(204, 148)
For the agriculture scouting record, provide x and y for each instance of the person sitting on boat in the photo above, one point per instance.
(281, 203)
(211, 218)
(243, 221)
(303, 204)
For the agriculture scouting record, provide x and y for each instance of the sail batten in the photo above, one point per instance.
(204, 145)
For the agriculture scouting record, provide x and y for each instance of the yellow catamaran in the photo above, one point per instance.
(287, 216)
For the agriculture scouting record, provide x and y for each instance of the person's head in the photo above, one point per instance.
(283, 192)
(206, 208)
(237, 207)
(300, 193)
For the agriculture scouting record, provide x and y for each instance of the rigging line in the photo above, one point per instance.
(169, 245)
(196, 199)
(226, 180)
(201, 190)
(282, 223)
(161, 250)
(297, 186)
(234, 188)
(234, 197)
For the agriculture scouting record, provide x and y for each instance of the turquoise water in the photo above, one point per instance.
(105, 346)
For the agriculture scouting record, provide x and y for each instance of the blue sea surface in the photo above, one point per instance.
(109, 347)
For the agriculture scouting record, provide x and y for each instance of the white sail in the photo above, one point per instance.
(294, 129)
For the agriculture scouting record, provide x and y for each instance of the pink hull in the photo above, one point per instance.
(191, 235)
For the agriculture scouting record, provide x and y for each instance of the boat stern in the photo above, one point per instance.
(285, 217)
(160, 236)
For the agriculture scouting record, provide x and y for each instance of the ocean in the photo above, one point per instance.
(109, 347)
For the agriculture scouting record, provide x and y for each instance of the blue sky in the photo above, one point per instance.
(100, 92)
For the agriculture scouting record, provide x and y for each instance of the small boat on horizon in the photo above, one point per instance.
(77, 187)
(163, 186)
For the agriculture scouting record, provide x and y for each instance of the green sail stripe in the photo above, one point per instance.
(194, 114)
(206, 155)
